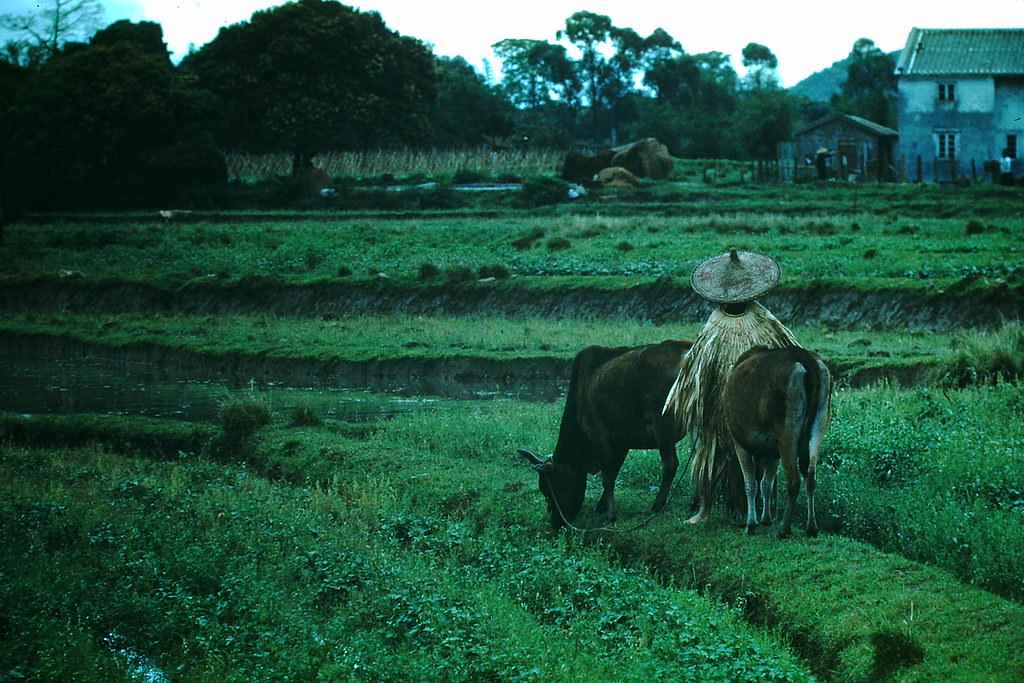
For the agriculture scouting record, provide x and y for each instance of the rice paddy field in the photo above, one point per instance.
(330, 489)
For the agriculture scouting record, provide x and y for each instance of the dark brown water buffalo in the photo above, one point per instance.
(777, 408)
(614, 404)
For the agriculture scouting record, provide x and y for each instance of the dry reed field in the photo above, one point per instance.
(403, 162)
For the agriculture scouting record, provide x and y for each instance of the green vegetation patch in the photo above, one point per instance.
(856, 240)
(904, 357)
(857, 614)
(420, 541)
(163, 439)
(202, 570)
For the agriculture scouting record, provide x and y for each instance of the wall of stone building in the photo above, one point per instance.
(981, 115)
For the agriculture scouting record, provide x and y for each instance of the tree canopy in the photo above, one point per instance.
(86, 119)
(317, 75)
(45, 31)
(90, 121)
(870, 87)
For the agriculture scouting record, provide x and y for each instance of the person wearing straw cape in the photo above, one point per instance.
(733, 280)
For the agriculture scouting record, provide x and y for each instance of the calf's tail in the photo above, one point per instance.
(818, 386)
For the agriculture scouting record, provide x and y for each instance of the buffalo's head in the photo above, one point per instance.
(563, 487)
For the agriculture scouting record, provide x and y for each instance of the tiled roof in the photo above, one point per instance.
(962, 51)
(872, 127)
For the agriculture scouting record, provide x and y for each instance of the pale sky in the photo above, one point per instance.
(805, 35)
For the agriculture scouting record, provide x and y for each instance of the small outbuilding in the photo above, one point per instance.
(840, 146)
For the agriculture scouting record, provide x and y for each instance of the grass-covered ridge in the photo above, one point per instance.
(859, 249)
(420, 542)
(205, 571)
(952, 358)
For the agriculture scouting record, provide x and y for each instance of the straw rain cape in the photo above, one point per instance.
(695, 397)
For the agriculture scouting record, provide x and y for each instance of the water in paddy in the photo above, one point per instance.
(97, 385)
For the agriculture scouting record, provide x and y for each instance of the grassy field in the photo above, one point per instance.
(855, 251)
(414, 545)
(418, 545)
(956, 357)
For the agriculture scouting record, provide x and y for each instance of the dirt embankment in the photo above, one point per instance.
(542, 378)
(662, 301)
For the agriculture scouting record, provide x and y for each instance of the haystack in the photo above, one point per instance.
(617, 176)
(645, 159)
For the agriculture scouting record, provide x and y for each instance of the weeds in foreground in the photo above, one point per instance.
(985, 359)
(241, 415)
(417, 543)
(207, 571)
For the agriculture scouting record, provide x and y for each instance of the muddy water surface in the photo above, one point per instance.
(100, 385)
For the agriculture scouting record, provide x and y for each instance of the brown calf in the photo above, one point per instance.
(777, 408)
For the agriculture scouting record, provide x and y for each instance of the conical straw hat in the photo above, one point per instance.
(735, 276)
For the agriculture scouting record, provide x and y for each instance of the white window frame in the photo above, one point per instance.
(947, 144)
(946, 92)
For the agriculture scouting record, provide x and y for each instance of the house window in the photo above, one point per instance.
(1011, 146)
(945, 144)
(947, 92)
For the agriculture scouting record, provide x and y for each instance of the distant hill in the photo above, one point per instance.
(821, 85)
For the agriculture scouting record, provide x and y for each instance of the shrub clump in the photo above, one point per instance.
(459, 274)
(304, 415)
(429, 271)
(495, 270)
(543, 191)
(241, 416)
(986, 360)
(526, 241)
(974, 227)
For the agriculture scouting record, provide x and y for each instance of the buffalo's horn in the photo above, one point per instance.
(531, 456)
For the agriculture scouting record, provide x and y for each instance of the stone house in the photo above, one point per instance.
(961, 102)
(843, 147)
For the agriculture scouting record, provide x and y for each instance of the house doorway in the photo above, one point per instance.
(849, 162)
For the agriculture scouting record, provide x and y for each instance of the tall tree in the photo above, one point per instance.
(536, 72)
(589, 32)
(467, 110)
(762, 67)
(870, 87)
(634, 57)
(764, 118)
(18, 124)
(655, 50)
(102, 111)
(314, 75)
(709, 119)
(55, 22)
(674, 80)
(766, 113)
